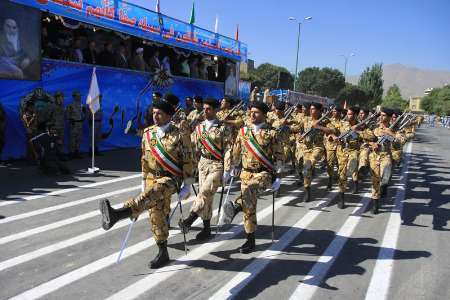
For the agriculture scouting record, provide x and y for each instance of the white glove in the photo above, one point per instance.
(185, 191)
(226, 176)
(276, 184)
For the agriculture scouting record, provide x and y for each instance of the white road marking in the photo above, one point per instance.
(69, 190)
(67, 243)
(315, 276)
(381, 276)
(244, 277)
(66, 205)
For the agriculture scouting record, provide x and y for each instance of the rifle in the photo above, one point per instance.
(177, 112)
(394, 125)
(408, 120)
(195, 121)
(343, 137)
(312, 129)
(238, 106)
(286, 116)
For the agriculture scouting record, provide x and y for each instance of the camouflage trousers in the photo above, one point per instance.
(347, 164)
(210, 178)
(251, 185)
(76, 134)
(332, 160)
(298, 156)
(156, 199)
(380, 167)
(363, 159)
(396, 156)
(310, 157)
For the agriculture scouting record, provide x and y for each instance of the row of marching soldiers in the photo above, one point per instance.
(221, 141)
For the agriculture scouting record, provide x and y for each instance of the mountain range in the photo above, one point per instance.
(412, 81)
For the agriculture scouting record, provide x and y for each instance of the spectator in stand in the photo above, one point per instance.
(139, 62)
(106, 57)
(154, 63)
(203, 71)
(185, 69)
(90, 54)
(166, 64)
(193, 66)
(175, 65)
(121, 57)
(211, 72)
(77, 53)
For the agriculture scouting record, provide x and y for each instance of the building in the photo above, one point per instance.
(415, 104)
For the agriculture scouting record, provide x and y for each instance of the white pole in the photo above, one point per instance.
(93, 141)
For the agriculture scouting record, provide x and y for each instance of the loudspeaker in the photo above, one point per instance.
(283, 80)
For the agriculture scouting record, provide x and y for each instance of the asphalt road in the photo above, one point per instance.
(52, 245)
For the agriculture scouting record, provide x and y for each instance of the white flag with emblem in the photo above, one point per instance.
(94, 94)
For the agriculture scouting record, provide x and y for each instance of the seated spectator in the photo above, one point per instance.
(121, 57)
(90, 54)
(139, 62)
(193, 66)
(154, 63)
(185, 69)
(77, 54)
(106, 57)
(166, 65)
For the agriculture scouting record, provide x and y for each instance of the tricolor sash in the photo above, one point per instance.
(255, 149)
(162, 156)
(208, 143)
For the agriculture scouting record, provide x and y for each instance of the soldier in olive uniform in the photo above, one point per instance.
(380, 157)
(75, 116)
(331, 145)
(196, 115)
(212, 139)
(259, 149)
(59, 118)
(312, 145)
(166, 164)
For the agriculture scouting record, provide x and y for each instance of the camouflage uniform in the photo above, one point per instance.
(74, 114)
(255, 177)
(160, 184)
(210, 167)
(179, 119)
(331, 147)
(235, 120)
(194, 117)
(380, 165)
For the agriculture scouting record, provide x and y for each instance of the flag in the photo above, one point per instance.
(94, 94)
(158, 8)
(192, 19)
(216, 26)
(237, 33)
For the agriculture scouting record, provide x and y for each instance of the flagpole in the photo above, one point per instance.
(93, 141)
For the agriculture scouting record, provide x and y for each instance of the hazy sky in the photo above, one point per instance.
(410, 32)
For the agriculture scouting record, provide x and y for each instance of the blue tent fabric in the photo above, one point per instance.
(118, 87)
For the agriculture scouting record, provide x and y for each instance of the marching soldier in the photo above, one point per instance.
(331, 145)
(231, 116)
(212, 139)
(311, 144)
(179, 118)
(74, 113)
(189, 105)
(196, 115)
(347, 152)
(380, 158)
(166, 163)
(364, 151)
(258, 147)
(400, 140)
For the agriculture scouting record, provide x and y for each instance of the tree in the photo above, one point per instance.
(266, 75)
(325, 82)
(353, 95)
(438, 101)
(371, 81)
(394, 98)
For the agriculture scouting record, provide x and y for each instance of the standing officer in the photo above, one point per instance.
(380, 158)
(74, 114)
(166, 162)
(331, 145)
(259, 149)
(312, 145)
(212, 139)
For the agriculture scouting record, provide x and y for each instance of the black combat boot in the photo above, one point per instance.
(355, 187)
(185, 225)
(205, 233)
(162, 258)
(110, 216)
(341, 203)
(330, 183)
(375, 206)
(307, 196)
(249, 245)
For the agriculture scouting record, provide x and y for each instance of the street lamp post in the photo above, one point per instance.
(346, 58)
(298, 45)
